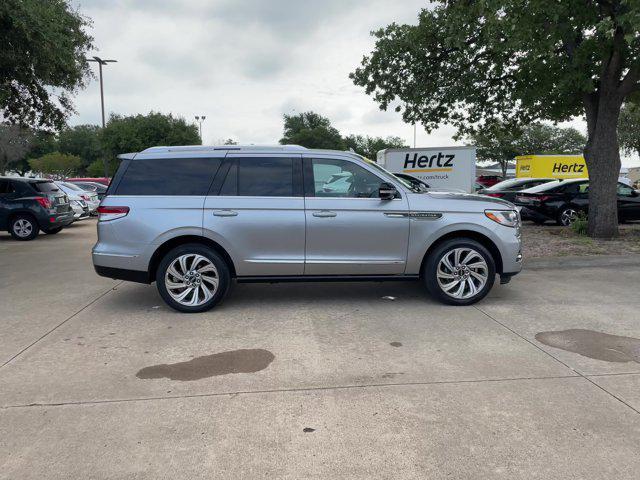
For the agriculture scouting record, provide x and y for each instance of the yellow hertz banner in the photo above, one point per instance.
(551, 166)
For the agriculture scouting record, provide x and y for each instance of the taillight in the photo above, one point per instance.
(45, 202)
(111, 213)
(497, 195)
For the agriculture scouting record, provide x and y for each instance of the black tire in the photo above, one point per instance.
(53, 231)
(24, 227)
(222, 274)
(446, 248)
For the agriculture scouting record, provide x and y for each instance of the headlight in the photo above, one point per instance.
(508, 218)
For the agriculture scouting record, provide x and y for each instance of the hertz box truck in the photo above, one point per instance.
(448, 168)
(551, 166)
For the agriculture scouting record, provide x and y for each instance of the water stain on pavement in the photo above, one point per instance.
(395, 344)
(597, 345)
(223, 363)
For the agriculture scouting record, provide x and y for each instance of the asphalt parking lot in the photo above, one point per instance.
(315, 380)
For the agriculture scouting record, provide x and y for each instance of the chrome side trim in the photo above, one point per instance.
(100, 254)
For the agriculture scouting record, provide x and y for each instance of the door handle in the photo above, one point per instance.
(225, 213)
(324, 214)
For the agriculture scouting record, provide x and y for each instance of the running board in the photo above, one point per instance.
(326, 278)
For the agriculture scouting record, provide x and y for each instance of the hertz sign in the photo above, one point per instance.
(551, 166)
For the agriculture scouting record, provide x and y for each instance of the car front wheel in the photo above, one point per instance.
(23, 227)
(192, 278)
(459, 272)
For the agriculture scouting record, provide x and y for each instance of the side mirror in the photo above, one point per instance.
(634, 193)
(387, 191)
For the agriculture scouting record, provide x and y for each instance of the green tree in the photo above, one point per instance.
(82, 141)
(501, 143)
(137, 132)
(311, 130)
(42, 60)
(56, 164)
(629, 128)
(472, 62)
(15, 143)
(369, 147)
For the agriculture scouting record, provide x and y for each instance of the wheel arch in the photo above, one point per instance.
(482, 239)
(174, 242)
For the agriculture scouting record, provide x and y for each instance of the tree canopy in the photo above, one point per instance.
(311, 130)
(369, 147)
(57, 164)
(473, 63)
(42, 60)
(629, 128)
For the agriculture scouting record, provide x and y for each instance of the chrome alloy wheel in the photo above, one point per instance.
(23, 228)
(462, 273)
(568, 216)
(191, 280)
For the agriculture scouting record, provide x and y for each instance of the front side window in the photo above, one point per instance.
(340, 178)
(625, 190)
(168, 176)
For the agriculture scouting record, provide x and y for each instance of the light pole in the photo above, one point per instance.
(414, 135)
(200, 119)
(100, 63)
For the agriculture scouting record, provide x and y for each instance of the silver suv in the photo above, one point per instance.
(192, 219)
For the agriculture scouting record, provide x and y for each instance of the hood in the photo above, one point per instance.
(481, 201)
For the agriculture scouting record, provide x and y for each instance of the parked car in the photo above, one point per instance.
(508, 189)
(98, 188)
(103, 180)
(413, 181)
(89, 198)
(79, 206)
(488, 180)
(193, 218)
(28, 205)
(562, 202)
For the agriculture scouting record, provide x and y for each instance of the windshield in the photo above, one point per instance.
(506, 184)
(544, 187)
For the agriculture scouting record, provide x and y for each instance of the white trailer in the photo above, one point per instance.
(447, 168)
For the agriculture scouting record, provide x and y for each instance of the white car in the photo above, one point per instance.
(78, 204)
(90, 198)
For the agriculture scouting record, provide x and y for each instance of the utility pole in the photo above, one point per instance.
(100, 63)
(200, 119)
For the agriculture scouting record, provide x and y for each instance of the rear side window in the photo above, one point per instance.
(168, 176)
(6, 187)
(44, 187)
(263, 177)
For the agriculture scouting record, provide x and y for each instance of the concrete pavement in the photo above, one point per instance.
(97, 377)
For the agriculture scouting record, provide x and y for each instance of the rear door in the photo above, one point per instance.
(255, 210)
(350, 230)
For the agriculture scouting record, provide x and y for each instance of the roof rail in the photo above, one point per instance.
(207, 148)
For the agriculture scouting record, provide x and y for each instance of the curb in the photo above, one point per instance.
(585, 261)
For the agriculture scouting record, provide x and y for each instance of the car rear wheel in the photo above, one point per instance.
(192, 278)
(459, 272)
(23, 227)
(567, 216)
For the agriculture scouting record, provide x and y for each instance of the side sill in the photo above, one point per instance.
(326, 278)
(137, 276)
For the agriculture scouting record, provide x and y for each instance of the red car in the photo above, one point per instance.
(489, 180)
(103, 180)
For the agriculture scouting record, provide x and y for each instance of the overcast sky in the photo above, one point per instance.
(244, 63)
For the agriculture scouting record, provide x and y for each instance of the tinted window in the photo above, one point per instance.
(625, 190)
(44, 187)
(230, 185)
(168, 176)
(265, 177)
(340, 178)
(5, 187)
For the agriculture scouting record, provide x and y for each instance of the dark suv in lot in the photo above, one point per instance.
(28, 205)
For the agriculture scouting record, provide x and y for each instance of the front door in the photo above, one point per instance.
(628, 203)
(256, 210)
(350, 230)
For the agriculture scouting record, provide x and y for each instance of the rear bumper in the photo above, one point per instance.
(58, 220)
(122, 274)
(527, 213)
